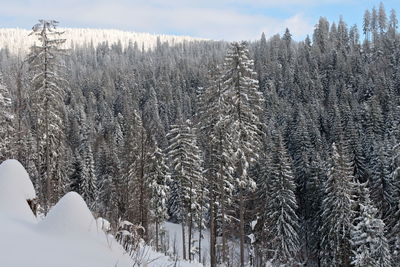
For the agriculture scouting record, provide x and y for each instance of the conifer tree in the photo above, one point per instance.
(88, 186)
(47, 97)
(337, 212)
(216, 140)
(185, 161)
(369, 244)
(282, 223)
(243, 108)
(158, 177)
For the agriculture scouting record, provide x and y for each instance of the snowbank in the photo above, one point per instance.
(69, 216)
(71, 237)
(15, 189)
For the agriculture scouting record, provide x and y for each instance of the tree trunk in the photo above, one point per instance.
(190, 223)
(241, 226)
(157, 247)
(223, 227)
(46, 133)
(183, 239)
(213, 233)
(200, 240)
(142, 196)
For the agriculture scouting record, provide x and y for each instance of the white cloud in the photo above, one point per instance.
(197, 18)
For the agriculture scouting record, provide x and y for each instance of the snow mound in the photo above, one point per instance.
(15, 189)
(70, 215)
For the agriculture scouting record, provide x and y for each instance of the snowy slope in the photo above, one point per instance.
(18, 40)
(68, 236)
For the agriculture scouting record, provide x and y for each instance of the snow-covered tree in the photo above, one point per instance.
(369, 244)
(282, 242)
(47, 97)
(337, 212)
(243, 106)
(88, 186)
(185, 161)
(218, 164)
(158, 177)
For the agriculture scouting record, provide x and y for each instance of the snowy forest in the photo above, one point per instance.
(287, 153)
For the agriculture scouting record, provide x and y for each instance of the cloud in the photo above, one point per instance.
(222, 19)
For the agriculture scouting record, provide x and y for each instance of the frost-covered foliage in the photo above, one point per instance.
(47, 106)
(370, 246)
(337, 212)
(242, 110)
(158, 178)
(187, 179)
(282, 244)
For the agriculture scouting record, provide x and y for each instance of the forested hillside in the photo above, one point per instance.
(286, 152)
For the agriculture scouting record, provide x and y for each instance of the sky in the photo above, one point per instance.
(212, 19)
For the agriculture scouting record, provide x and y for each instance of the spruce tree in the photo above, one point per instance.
(185, 164)
(282, 242)
(47, 96)
(243, 108)
(158, 177)
(216, 140)
(369, 244)
(88, 186)
(337, 212)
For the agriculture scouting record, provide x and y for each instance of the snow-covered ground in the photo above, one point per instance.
(174, 233)
(68, 236)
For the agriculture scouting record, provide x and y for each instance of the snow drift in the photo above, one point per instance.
(67, 237)
(70, 215)
(15, 189)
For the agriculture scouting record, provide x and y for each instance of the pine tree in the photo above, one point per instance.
(158, 177)
(185, 161)
(47, 95)
(370, 247)
(381, 183)
(243, 107)
(88, 186)
(337, 212)
(107, 172)
(282, 223)
(216, 140)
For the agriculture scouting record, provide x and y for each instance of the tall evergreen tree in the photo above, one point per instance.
(370, 246)
(282, 223)
(243, 109)
(337, 212)
(47, 97)
(88, 186)
(158, 177)
(185, 161)
(216, 140)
